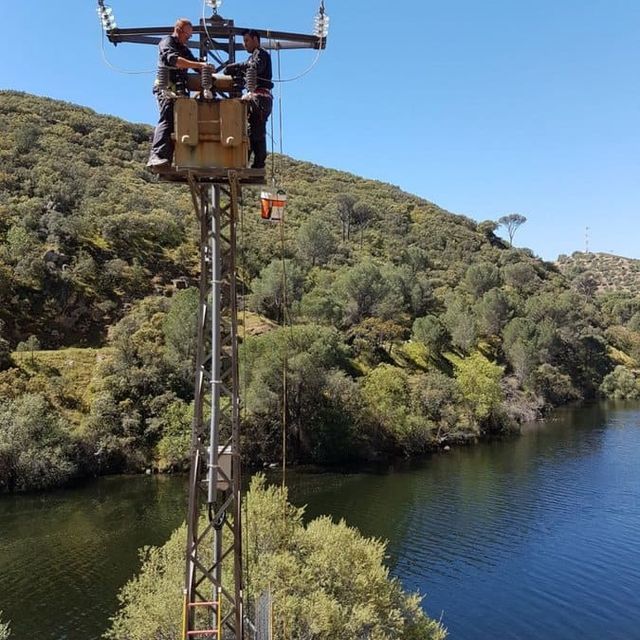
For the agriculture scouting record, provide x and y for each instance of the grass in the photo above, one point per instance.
(255, 325)
(64, 376)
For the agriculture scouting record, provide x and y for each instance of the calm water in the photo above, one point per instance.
(538, 537)
(64, 555)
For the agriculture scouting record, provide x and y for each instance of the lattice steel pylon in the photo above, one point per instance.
(213, 592)
(214, 549)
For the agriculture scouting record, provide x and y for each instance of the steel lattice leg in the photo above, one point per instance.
(213, 581)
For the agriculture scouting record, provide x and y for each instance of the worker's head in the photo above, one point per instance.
(251, 40)
(183, 30)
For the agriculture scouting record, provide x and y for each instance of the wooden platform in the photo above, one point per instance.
(213, 176)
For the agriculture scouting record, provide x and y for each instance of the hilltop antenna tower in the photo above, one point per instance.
(586, 240)
(211, 157)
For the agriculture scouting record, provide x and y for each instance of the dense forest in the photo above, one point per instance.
(404, 328)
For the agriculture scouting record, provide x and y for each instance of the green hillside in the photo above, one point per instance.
(601, 272)
(411, 327)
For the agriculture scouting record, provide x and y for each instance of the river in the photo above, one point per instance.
(532, 538)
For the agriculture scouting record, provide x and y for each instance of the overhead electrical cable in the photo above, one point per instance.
(118, 69)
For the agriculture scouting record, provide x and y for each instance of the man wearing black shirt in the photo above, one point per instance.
(259, 97)
(172, 53)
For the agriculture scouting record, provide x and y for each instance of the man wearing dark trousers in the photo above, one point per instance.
(174, 54)
(259, 97)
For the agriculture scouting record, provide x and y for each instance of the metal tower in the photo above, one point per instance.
(214, 482)
(213, 588)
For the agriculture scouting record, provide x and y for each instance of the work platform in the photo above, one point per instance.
(212, 176)
(211, 143)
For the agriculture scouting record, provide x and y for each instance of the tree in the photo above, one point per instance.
(586, 283)
(315, 241)
(30, 344)
(134, 386)
(5, 349)
(554, 386)
(36, 451)
(625, 339)
(363, 288)
(308, 354)
(277, 288)
(387, 393)
(175, 445)
(487, 228)
(179, 328)
(362, 216)
(511, 223)
(481, 277)
(322, 305)
(374, 337)
(345, 204)
(492, 311)
(479, 381)
(519, 345)
(432, 333)
(460, 322)
(437, 398)
(521, 276)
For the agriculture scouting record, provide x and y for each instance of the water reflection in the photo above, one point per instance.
(513, 539)
(64, 555)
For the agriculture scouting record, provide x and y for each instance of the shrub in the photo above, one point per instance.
(36, 451)
(175, 443)
(31, 344)
(620, 384)
(326, 581)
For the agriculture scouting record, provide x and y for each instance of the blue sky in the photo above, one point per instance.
(485, 108)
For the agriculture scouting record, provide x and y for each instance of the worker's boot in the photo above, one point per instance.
(158, 165)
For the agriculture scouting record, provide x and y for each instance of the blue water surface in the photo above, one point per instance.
(534, 538)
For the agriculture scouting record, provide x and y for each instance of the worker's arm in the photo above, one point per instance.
(170, 56)
(235, 68)
(183, 63)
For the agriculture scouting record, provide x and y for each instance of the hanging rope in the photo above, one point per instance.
(285, 302)
(243, 369)
(280, 104)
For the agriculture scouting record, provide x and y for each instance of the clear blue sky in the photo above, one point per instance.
(485, 108)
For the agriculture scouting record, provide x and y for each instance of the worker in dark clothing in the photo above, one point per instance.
(257, 69)
(174, 54)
